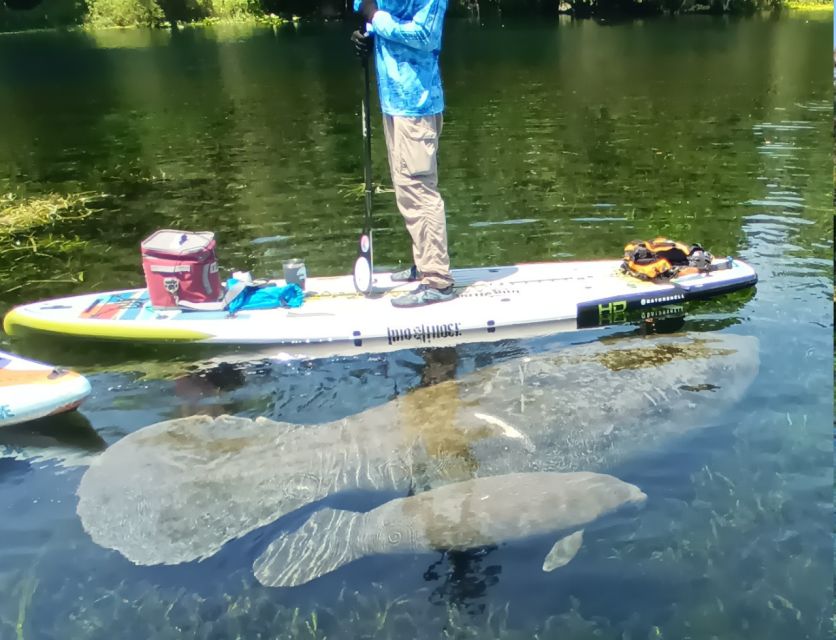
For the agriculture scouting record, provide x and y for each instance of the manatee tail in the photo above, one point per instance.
(327, 541)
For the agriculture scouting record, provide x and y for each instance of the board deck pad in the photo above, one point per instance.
(30, 390)
(492, 303)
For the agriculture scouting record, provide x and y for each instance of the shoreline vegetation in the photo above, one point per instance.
(27, 15)
(800, 5)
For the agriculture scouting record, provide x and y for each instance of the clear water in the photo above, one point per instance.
(561, 141)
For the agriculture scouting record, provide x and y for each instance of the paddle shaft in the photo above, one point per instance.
(367, 145)
(363, 265)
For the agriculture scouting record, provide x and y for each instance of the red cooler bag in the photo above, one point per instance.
(180, 266)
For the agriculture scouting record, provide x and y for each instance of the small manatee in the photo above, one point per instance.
(458, 516)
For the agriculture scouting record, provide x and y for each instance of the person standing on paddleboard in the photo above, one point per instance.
(405, 36)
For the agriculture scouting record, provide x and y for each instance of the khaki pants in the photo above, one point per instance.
(412, 144)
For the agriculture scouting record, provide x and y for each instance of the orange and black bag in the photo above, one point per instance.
(663, 259)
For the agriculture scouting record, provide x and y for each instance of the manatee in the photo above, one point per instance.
(178, 490)
(458, 516)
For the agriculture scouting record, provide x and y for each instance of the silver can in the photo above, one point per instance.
(295, 273)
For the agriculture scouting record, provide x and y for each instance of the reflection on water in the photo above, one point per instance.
(465, 581)
(69, 438)
(715, 131)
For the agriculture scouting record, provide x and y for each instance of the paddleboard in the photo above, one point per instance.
(493, 303)
(30, 390)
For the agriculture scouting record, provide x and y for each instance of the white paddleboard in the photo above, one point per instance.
(30, 390)
(493, 303)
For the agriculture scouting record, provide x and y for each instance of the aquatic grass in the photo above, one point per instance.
(36, 231)
(30, 585)
(357, 190)
(746, 528)
(24, 588)
(11, 582)
(16, 262)
(23, 215)
(142, 610)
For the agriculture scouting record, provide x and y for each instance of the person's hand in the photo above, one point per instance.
(367, 9)
(363, 43)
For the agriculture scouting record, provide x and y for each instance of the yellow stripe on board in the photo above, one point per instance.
(15, 322)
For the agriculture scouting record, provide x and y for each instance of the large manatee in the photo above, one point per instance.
(458, 516)
(178, 490)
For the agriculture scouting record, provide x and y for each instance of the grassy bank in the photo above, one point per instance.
(136, 13)
(18, 15)
(801, 5)
(162, 13)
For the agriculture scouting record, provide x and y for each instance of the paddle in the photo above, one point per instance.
(363, 264)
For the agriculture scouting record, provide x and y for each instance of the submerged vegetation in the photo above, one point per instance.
(28, 14)
(739, 528)
(28, 226)
(18, 216)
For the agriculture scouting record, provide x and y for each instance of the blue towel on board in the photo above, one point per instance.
(269, 296)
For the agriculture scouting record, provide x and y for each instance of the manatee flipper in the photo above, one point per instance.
(563, 551)
(328, 540)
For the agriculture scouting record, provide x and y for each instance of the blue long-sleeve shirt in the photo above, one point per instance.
(407, 46)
